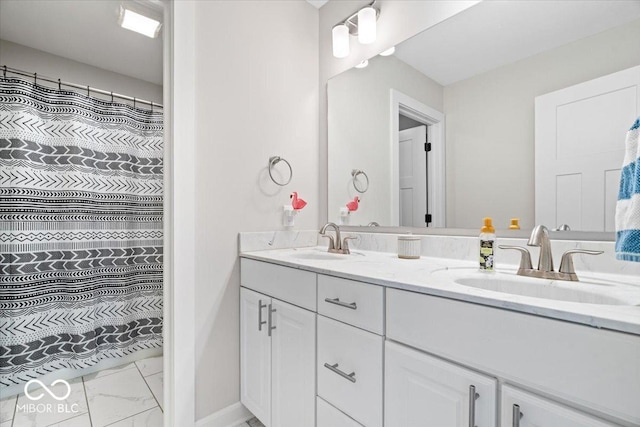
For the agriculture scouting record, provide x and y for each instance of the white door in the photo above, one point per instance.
(534, 411)
(293, 358)
(413, 176)
(579, 148)
(421, 390)
(255, 355)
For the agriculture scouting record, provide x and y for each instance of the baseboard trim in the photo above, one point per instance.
(230, 416)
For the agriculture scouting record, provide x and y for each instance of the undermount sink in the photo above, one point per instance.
(586, 291)
(318, 255)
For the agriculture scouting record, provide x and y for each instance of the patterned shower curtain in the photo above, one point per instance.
(80, 231)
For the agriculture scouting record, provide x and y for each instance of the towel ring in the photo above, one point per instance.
(354, 174)
(273, 161)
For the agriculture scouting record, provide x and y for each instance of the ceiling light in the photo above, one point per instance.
(363, 64)
(389, 51)
(139, 23)
(367, 25)
(340, 36)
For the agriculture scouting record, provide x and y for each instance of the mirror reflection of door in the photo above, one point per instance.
(579, 146)
(413, 173)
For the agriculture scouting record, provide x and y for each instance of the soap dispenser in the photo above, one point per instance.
(487, 245)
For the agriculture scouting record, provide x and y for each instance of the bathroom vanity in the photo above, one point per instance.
(368, 339)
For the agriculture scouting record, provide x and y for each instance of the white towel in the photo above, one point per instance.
(628, 206)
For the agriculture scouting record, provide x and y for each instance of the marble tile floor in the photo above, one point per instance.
(126, 396)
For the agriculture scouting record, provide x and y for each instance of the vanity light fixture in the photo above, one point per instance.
(363, 64)
(389, 51)
(134, 20)
(361, 24)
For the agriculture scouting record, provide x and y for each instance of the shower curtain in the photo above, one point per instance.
(80, 231)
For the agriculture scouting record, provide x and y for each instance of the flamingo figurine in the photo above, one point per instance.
(353, 205)
(296, 202)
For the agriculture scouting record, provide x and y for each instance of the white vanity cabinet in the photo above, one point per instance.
(522, 409)
(325, 351)
(594, 370)
(277, 353)
(423, 390)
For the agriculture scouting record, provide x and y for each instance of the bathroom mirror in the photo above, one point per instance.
(468, 88)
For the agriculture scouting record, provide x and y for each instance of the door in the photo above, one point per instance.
(423, 390)
(579, 149)
(255, 355)
(523, 409)
(413, 176)
(293, 358)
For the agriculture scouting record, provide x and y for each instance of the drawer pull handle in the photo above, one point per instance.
(260, 321)
(334, 368)
(270, 326)
(516, 416)
(473, 396)
(336, 301)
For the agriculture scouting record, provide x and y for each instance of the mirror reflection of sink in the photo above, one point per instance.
(588, 291)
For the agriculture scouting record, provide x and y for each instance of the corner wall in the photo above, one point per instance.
(256, 83)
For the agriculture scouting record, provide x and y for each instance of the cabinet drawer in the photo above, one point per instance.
(345, 350)
(591, 368)
(295, 286)
(328, 416)
(352, 302)
(532, 411)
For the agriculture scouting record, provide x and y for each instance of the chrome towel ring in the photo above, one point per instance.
(355, 173)
(273, 161)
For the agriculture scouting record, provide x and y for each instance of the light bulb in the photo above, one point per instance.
(340, 36)
(367, 25)
(363, 64)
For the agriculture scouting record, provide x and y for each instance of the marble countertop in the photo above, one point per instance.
(436, 276)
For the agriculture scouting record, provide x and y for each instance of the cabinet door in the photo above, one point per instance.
(328, 416)
(255, 355)
(522, 409)
(293, 355)
(423, 390)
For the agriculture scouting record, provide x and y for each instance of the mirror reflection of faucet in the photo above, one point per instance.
(562, 227)
(540, 238)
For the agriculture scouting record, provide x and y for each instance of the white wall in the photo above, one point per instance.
(399, 20)
(256, 86)
(359, 133)
(490, 125)
(57, 67)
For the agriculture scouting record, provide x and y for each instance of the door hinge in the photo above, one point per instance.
(427, 146)
(428, 219)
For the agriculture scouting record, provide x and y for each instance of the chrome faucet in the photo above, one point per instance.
(336, 246)
(540, 237)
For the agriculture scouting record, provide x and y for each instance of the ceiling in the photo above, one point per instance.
(496, 33)
(84, 31)
(317, 3)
